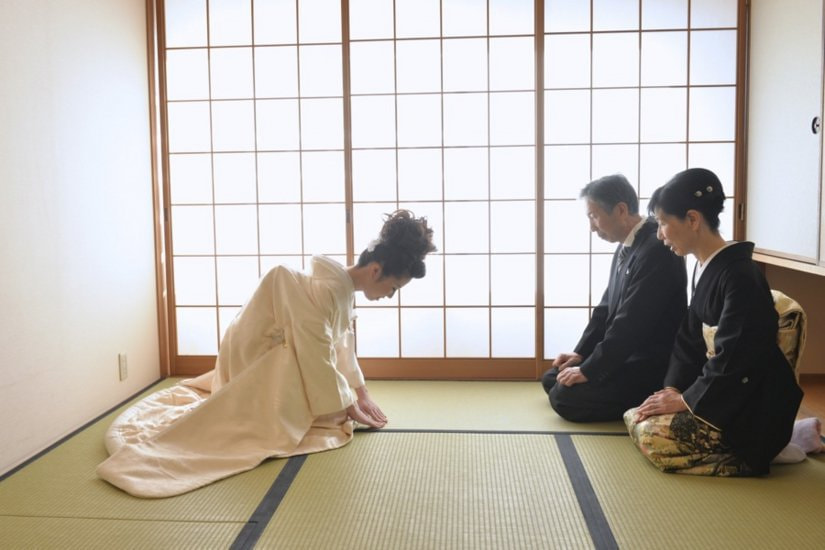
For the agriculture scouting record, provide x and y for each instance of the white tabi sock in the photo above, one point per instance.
(806, 434)
(791, 454)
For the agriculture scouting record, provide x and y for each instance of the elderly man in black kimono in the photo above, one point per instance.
(622, 355)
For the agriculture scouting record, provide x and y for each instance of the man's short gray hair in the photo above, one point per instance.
(608, 191)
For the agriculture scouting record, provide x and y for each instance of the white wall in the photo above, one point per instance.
(77, 252)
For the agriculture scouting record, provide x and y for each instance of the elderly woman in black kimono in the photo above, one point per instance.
(730, 397)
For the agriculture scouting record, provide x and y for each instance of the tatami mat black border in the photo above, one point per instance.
(257, 522)
(592, 512)
(597, 524)
(77, 431)
(594, 517)
(484, 432)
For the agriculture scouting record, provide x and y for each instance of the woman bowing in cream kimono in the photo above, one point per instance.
(730, 397)
(286, 381)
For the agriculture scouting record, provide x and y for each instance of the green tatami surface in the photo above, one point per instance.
(482, 405)
(475, 465)
(425, 490)
(649, 509)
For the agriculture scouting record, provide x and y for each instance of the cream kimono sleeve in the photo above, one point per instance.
(348, 362)
(326, 388)
(312, 335)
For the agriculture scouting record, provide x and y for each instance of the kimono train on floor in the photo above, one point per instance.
(285, 374)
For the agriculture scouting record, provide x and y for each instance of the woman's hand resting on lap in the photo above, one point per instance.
(664, 401)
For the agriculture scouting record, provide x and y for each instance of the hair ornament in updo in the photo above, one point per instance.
(698, 192)
(692, 189)
(372, 245)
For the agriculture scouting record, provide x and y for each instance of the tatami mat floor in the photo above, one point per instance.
(650, 510)
(432, 490)
(462, 465)
(482, 405)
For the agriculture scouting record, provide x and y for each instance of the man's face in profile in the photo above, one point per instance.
(607, 225)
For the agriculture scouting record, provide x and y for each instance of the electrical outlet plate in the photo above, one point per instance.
(122, 366)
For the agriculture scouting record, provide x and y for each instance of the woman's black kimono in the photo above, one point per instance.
(747, 390)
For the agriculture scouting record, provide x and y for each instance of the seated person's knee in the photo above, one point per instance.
(548, 379)
(565, 405)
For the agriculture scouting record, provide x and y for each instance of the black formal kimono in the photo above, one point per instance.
(746, 389)
(628, 341)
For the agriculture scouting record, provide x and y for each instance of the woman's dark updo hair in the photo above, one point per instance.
(693, 189)
(401, 246)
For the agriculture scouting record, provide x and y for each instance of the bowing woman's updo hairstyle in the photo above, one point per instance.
(694, 189)
(401, 247)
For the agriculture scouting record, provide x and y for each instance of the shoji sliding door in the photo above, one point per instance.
(443, 123)
(293, 126)
(255, 115)
(643, 88)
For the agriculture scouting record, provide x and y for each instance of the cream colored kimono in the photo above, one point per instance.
(285, 375)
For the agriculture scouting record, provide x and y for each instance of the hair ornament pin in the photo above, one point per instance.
(699, 193)
(372, 245)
